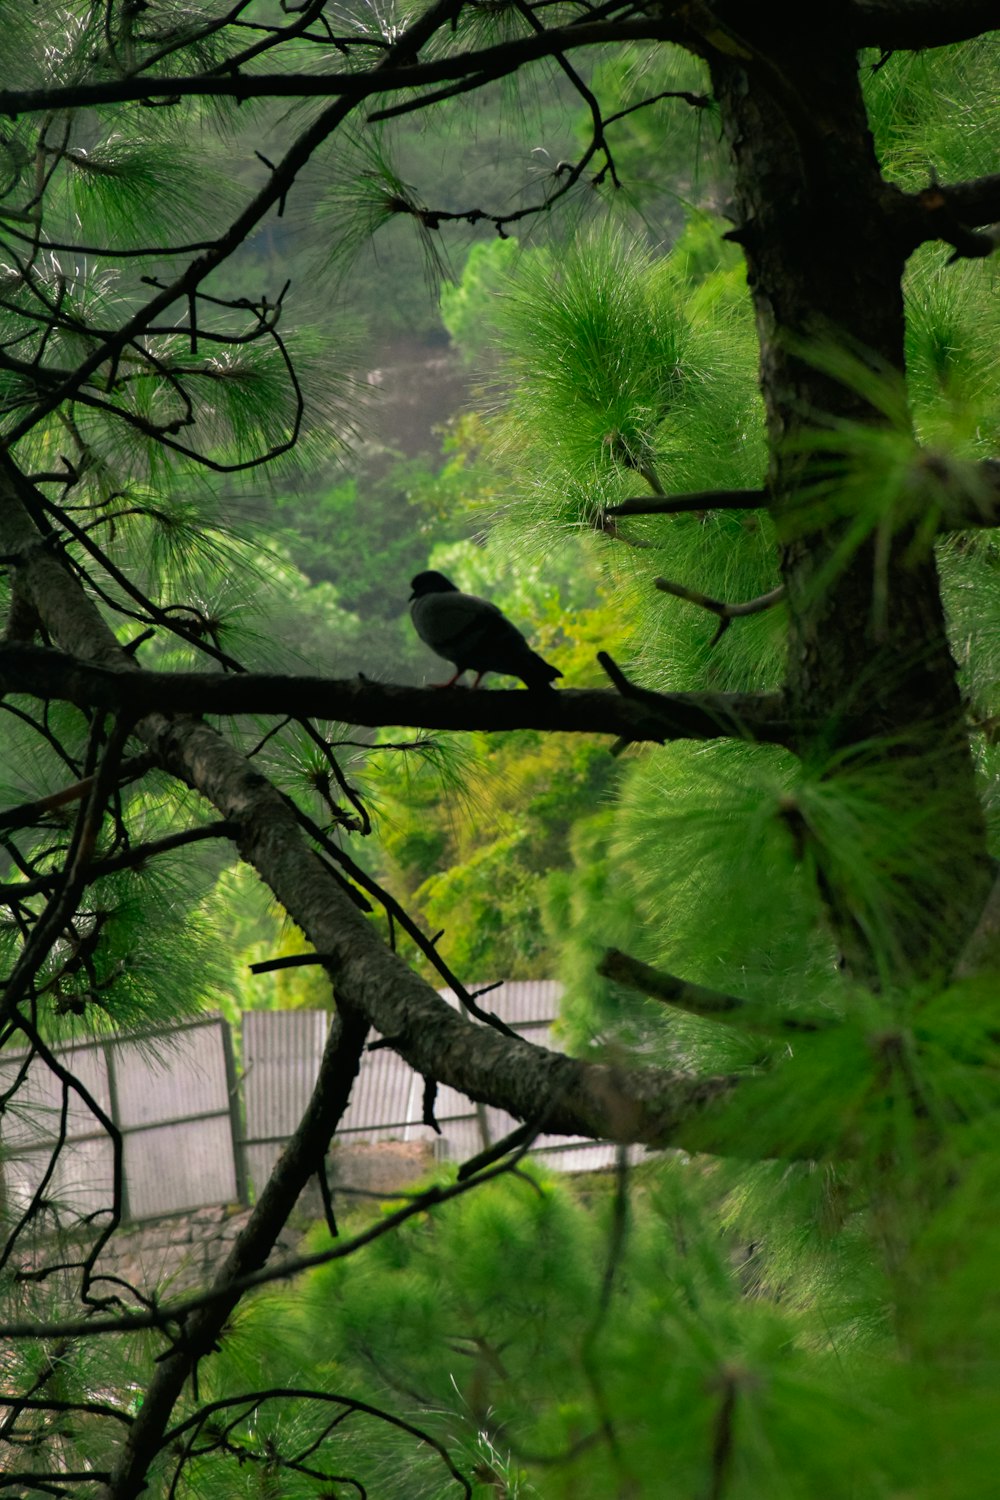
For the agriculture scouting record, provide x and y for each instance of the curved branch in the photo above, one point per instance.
(251, 1249)
(726, 612)
(299, 1393)
(913, 24)
(640, 1104)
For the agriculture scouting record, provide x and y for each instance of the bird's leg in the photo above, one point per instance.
(479, 678)
(452, 680)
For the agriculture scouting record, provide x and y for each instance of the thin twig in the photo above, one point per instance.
(725, 612)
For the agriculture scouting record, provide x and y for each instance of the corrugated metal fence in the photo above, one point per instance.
(196, 1130)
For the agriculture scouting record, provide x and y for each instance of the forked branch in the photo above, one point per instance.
(725, 612)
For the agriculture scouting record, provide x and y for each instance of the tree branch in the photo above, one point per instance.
(128, 859)
(255, 1399)
(161, 1315)
(642, 715)
(913, 24)
(697, 1000)
(582, 1098)
(39, 812)
(725, 612)
(110, 349)
(950, 212)
(385, 77)
(253, 1245)
(671, 505)
(641, 1104)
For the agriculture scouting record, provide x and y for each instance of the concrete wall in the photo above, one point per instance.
(181, 1252)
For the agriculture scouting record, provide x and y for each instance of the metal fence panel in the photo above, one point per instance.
(282, 1051)
(33, 1114)
(183, 1165)
(567, 1154)
(167, 1094)
(81, 1183)
(459, 1139)
(525, 1002)
(173, 1097)
(386, 1098)
(172, 1077)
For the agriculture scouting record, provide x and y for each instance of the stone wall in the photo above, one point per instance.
(180, 1253)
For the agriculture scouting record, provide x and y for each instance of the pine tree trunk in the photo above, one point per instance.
(868, 649)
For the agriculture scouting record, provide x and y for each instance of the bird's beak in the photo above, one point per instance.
(411, 598)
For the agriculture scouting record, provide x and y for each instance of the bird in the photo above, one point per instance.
(473, 634)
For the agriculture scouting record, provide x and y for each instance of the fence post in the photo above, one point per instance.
(114, 1110)
(236, 1129)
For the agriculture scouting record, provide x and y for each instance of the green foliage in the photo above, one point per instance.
(378, 207)
(934, 114)
(395, 507)
(131, 191)
(467, 306)
(476, 863)
(489, 1323)
(668, 152)
(143, 948)
(622, 380)
(952, 330)
(588, 908)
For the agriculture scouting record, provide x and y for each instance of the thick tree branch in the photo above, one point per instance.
(895, 25)
(579, 1098)
(643, 715)
(952, 212)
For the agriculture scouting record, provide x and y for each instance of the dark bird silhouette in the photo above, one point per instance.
(473, 634)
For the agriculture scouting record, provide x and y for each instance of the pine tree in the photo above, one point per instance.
(809, 850)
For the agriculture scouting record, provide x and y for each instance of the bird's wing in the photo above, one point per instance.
(460, 626)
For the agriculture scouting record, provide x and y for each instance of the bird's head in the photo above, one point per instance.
(431, 582)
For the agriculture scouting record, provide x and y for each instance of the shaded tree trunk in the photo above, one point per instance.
(868, 648)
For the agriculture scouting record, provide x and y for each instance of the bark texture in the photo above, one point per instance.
(868, 649)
